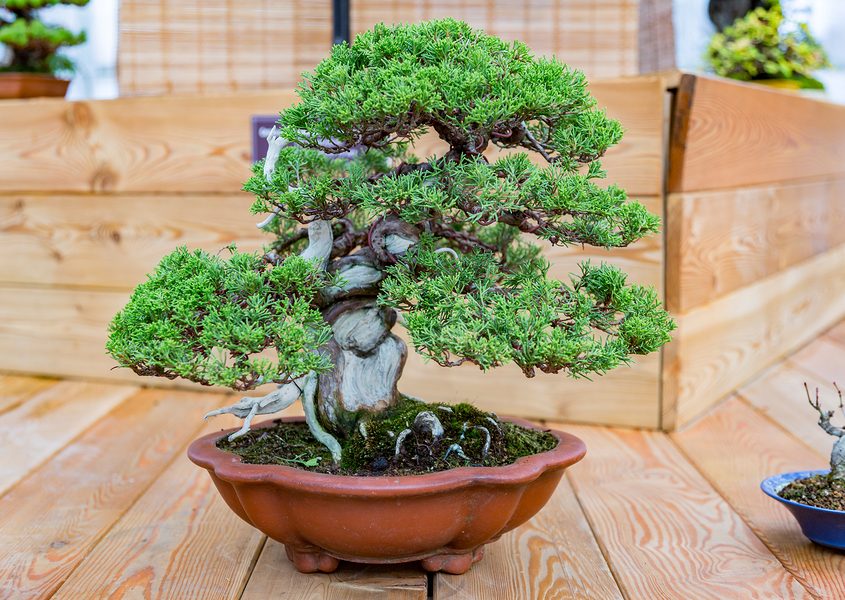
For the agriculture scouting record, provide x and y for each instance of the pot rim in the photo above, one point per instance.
(771, 489)
(229, 467)
(27, 74)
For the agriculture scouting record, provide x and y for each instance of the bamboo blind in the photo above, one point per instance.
(201, 46)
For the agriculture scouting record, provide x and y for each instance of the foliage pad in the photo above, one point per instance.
(209, 320)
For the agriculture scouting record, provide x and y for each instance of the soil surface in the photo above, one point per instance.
(398, 442)
(819, 491)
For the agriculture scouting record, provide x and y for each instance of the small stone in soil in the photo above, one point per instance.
(379, 464)
(819, 491)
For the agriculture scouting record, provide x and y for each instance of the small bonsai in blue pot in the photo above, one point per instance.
(817, 498)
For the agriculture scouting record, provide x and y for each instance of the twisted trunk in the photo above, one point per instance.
(367, 358)
(368, 361)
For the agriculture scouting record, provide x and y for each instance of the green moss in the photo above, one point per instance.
(374, 454)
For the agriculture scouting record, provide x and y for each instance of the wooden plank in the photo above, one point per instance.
(664, 530)
(163, 144)
(779, 395)
(166, 144)
(736, 134)
(275, 577)
(554, 555)
(53, 518)
(721, 241)
(15, 389)
(735, 448)
(38, 428)
(721, 346)
(179, 540)
(837, 333)
(823, 360)
(114, 241)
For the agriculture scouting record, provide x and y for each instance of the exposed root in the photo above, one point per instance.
(456, 448)
(247, 408)
(495, 424)
(487, 438)
(402, 435)
(309, 392)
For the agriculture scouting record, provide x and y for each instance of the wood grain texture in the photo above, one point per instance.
(735, 448)
(721, 241)
(778, 393)
(164, 144)
(554, 555)
(275, 577)
(114, 241)
(740, 134)
(837, 333)
(16, 389)
(726, 343)
(63, 332)
(202, 143)
(823, 360)
(179, 540)
(50, 520)
(38, 428)
(664, 529)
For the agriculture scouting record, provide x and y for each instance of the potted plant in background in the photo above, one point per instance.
(34, 64)
(365, 235)
(817, 498)
(766, 48)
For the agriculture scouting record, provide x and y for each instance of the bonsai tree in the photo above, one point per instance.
(363, 234)
(837, 455)
(823, 490)
(33, 44)
(763, 45)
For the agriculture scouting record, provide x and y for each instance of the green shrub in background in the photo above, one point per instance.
(34, 45)
(765, 45)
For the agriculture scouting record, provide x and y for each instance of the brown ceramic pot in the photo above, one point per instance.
(443, 518)
(31, 85)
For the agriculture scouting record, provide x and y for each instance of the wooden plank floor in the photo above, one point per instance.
(97, 500)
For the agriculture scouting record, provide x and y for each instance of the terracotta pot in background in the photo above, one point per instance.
(443, 518)
(31, 85)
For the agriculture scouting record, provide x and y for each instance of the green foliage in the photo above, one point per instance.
(473, 288)
(552, 203)
(764, 45)
(394, 82)
(34, 45)
(468, 309)
(210, 320)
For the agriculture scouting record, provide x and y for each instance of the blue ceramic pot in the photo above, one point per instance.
(821, 525)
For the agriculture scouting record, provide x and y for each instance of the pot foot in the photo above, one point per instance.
(454, 564)
(312, 561)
